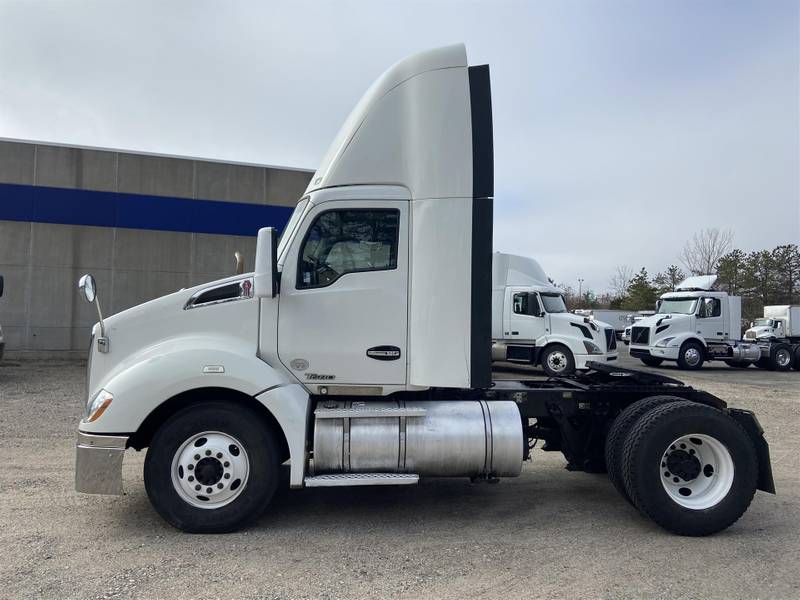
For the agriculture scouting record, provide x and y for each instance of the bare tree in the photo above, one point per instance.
(621, 280)
(701, 254)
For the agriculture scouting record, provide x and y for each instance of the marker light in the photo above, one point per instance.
(98, 405)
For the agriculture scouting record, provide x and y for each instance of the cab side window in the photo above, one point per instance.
(348, 241)
(526, 304)
(710, 307)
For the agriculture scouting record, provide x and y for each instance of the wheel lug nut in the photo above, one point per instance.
(219, 485)
(209, 490)
(197, 488)
(227, 475)
(675, 479)
(667, 474)
(226, 464)
(208, 452)
(197, 457)
(190, 467)
(191, 478)
(219, 454)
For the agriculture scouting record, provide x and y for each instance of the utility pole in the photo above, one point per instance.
(580, 287)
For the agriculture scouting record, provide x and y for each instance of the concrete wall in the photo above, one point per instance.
(42, 261)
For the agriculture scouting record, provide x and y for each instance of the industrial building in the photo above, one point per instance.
(144, 225)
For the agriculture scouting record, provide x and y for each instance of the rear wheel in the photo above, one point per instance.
(619, 430)
(689, 467)
(557, 360)
(211, 468)
(691, 356)
(651, 361)
(781, 357)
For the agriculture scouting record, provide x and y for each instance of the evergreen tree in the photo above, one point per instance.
(642, 295)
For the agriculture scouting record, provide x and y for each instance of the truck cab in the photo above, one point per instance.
(531, 323)
(765, 329)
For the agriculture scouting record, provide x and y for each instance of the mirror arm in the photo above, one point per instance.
(102, 341)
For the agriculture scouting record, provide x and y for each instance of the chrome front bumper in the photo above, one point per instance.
(98, 463)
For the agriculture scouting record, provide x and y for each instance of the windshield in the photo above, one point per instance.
(762, 323)
(682, 306)
(554, 303)
(290, 226)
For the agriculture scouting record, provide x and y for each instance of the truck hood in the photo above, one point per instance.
(761, 331)
(145, 331)
(569, 324)
(670, 325)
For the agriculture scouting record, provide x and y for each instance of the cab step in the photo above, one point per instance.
(352, 479)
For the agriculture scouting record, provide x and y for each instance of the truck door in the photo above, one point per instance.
(710, 322)
(525, 318)
(342, 313)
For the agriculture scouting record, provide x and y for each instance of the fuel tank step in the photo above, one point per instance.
(377, 412)
(351, 479)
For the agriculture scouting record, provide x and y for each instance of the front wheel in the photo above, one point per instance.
(690, 467)
(651, 361)
(211, 468)
(558, 360)
(691, 356)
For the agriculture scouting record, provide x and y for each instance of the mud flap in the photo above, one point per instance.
(748, 420)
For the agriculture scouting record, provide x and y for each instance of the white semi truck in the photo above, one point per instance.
(696, 323)
(358, 350)
(531, 324)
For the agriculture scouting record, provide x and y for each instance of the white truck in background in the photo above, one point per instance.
(618, 319)
(531, 324)
(780, 323)
(696, 323)
(358, 350)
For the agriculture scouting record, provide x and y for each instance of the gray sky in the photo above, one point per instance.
(621, 127)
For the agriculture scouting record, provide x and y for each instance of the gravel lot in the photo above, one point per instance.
(548, 533)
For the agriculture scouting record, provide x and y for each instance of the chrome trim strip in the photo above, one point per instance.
(245, 293)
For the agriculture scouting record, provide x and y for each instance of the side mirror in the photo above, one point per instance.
(88, 288)
(265, 278)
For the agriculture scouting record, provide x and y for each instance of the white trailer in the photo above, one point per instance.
(359, 349)
(696, 323)
(531, 324)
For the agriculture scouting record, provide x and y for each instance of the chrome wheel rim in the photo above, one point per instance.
(783, 358)
(210, 469)
(692, 356)
(557, 361)
(696, 471)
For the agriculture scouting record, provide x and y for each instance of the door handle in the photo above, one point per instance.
(384, 352)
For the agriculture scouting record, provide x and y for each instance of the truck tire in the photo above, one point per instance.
(762, 363)
(737, 364)
(691, 356)
(780, 358)
(211, 468)
(689, 467)
(557, 360)
(620, 427)
(651, 361)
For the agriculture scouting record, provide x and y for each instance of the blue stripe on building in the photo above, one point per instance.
(136, 211)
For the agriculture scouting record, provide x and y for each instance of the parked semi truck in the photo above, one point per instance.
(531, 324)
(696, 323)
(358, 350)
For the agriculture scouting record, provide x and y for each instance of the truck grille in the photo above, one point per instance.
(611, 340)
(640, 335)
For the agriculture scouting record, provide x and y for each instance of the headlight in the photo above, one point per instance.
(664, 343)
(98, 405)
(591, 347)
